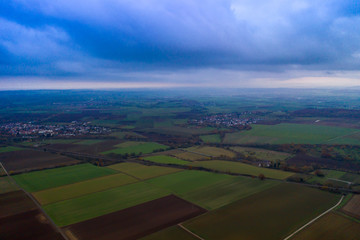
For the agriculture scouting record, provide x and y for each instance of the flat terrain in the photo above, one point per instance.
(262, 154)
(353, 206)
(271, 214)
(78, 189)
(10, 149)
(141, 171)
(212, 138)
(137, 221)
(19, 161)
(190, 156)
(173, 233)
(30, 225)
(332, 226)
(99, 203)
(136, 148)
(211, 151)
(40, 180)
(242, 168)
(294, 133)
(6, 185)
(221, 193)
(15, 202)
(166, 159)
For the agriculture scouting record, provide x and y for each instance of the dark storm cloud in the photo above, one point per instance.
(89, 37)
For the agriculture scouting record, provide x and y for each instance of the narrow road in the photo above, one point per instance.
(187, 230)
(327, 211)
(36, 203)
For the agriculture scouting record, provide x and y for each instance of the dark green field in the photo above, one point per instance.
(271, 214)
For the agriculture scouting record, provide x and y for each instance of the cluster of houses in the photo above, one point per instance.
(33, 129)
(227, 120)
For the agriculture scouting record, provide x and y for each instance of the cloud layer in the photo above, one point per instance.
(123, 40)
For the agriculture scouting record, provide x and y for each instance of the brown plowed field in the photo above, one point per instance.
(27, 160)
(27, 226)
(353, 207)
(138, 221)
(14, 203)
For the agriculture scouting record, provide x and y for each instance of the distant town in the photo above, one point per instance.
(227, 120)
(28, 130)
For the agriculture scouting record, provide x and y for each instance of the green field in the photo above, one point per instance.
(293, 133)
(82, 188)
(211, 151)
(242, 168)
(136, 148)
(173, 233)
(271, 214)
(90, 141)
(262, 154)
(185, 181)
(6, 185)
(9, 149)
(212, 138)
(166, 160)
(96, 204)
(141, 171)
(331, 227)
(40, 180)
(221, 193)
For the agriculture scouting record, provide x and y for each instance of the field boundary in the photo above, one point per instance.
(37, 204)
(187, 230)
(316, 218)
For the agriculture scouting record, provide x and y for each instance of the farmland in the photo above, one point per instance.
(99, 203)
(9, 149)
(271, 214)
(241, 168)
(262, 154)
(40, 180)
(78, 189)
(353, 206)
(141, 171)
(174, 233)
(211, 151)
(331, 227)
(293, 133)
(136, 148)
(25, 160)
(212, 138)
(6, 185)
(166, 160)
(190, 156)
(137, 221)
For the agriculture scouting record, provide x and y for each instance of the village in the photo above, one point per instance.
(31, 129)
(227, 120)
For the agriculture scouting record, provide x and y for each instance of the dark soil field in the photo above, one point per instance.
(352, 208)
(301, 160)
(138, 221)
(16, 202)
(27, 160)
(27, 225)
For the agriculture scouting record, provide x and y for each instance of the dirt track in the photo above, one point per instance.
(137, 221)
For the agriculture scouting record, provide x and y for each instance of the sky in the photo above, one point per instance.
(74, 44)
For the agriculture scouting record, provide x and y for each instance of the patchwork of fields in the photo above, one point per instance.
(136, 148)
(294, 133)
(84, 199)
(242, 168)
(271, 214)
